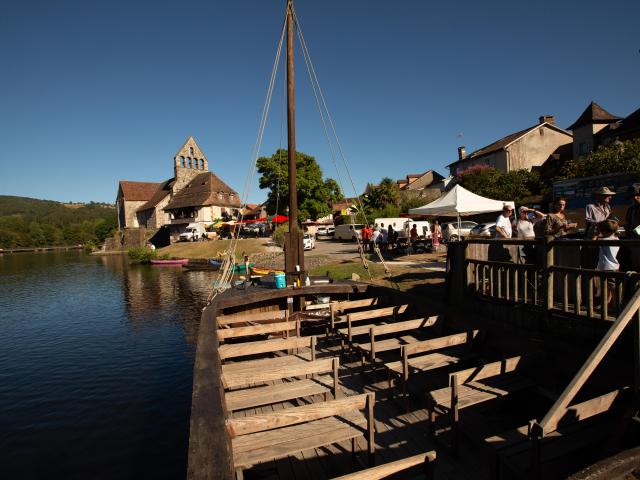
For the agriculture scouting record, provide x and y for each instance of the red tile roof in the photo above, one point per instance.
(162, 191)
(138, 191)
(205, 189)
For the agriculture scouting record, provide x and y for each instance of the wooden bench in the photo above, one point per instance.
(347, 333)
(368, 350)
(283, 328)
(424, 460)
(283, 391)
(336, 308)
(579, 426)
(270, 436)
(474, 386)
(274, 346)
(254, 317)
(409, 363)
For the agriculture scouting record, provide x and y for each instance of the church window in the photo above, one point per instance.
(202, 164)
(182, 164)
(189, 160)
(190, 150)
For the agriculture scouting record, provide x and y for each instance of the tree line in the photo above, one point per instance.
(28, 222)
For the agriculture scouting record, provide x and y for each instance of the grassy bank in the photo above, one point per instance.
(213, 248)
(411, 279)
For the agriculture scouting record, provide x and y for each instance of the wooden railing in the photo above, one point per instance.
(538, 430)
(538, 279)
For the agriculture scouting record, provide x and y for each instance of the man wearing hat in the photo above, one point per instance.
(598, 212)
(632, 224)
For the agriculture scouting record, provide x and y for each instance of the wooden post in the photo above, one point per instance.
(636, 354)
(536, 434)
(371, 446)
(547, 276)
(294, 252)
(455, 414)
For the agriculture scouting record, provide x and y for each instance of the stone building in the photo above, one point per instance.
(422, 183)
(194, 194)
(525, 149)
(589, 123)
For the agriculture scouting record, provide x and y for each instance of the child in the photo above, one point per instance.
(607, 260)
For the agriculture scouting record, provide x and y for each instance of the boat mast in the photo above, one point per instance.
(294, 253)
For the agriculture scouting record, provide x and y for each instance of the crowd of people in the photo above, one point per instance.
(599, 220)
(385, 238)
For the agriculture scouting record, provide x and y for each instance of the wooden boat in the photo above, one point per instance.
(216, 264)
(257, 271)
(456, 367)
(176, 261)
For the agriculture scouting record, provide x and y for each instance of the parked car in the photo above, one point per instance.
(193, 233)
(454, 234)
(331, 231)
(309, 241)
(348, 231)
(487, 229)
(321, 231)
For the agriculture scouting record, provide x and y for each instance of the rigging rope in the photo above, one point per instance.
(227, 268)
(323, 110)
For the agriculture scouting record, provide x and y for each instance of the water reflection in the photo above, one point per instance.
(96, 364)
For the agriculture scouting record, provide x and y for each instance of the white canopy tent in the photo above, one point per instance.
(460, 202)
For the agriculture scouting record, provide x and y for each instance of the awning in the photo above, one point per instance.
(460, 202)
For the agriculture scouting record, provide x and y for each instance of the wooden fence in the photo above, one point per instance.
(542, 274)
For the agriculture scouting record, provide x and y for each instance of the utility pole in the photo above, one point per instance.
(294, 252)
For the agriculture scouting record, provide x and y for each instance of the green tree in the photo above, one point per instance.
(616, 158)
(489, 182)
(315, 194)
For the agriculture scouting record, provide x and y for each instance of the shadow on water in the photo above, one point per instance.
(96, 362)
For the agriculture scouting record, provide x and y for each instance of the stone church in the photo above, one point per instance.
(194, 194)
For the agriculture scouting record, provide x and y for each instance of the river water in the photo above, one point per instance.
(96, 360)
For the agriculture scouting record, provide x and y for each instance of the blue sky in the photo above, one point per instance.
(94, 91)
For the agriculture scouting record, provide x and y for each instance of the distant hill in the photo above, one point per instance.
(29, 222)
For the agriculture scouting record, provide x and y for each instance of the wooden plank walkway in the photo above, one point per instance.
(398, 435)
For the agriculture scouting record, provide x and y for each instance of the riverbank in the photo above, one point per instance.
(40, 249)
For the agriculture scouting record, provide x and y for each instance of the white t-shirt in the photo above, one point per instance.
(504, 223)
(607, 259)
(375, 235)
(525, 229)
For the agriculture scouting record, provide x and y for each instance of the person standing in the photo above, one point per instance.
(366, 237)
(632, 225)
(375, 237)
(503, 222)
(413, 234)
(607, 260)
(383, 239)
(557, 223)
(598, 212)
(390, 237)
(527, 218)
(594, 214)
(436, 236)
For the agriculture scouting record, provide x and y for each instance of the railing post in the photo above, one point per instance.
(636, 355)
(547, 275)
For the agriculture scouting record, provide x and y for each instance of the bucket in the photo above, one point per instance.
(281, 281)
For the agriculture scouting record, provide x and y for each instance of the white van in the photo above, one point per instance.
(423, 227)
(348, 231)
(193, 233)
